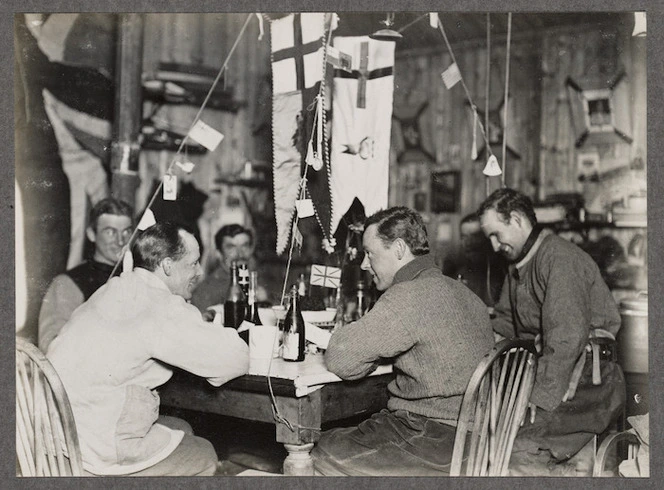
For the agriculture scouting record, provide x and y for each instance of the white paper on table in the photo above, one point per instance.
(316, 335)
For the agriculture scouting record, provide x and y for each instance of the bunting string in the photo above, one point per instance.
(186, 137)
(441, 29)
(507, 86)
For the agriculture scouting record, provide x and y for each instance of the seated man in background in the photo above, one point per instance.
(554, 293)
(434, 329)
(118, 348)
(109, 228)
(476, 265)
(234, 243)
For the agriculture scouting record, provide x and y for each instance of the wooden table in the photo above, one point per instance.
(307, 395)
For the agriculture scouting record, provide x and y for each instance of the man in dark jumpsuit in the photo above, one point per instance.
(554, 293)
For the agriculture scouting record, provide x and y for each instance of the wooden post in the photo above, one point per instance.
(128, 108)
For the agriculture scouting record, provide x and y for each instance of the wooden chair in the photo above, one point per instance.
(46, 438)
(609, 449)
(493, 408)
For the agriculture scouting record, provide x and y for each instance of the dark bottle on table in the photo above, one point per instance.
(293, 335)
(235, 306)
(243, 278)
(252, 306)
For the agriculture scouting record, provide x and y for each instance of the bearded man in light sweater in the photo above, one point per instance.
(433, 329)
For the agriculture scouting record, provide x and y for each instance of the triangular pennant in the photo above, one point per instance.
(492, 168)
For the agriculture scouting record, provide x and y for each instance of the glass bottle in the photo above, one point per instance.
(294, 337)
(361, 301)
(252, 307)
(339, 304)
(243, 278)
(235, 306)
(301, 287)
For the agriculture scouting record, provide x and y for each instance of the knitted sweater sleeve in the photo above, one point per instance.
(356, 349)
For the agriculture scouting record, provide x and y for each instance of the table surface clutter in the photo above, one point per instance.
(297, 397)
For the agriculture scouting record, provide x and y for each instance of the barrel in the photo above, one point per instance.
(633, 352)
(633, 335)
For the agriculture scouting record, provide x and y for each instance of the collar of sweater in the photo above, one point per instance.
(533, 249)
(150, 278)
(414, 268)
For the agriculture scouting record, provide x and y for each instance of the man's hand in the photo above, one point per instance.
(208, 315)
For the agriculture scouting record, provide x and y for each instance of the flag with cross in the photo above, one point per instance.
(362, 108)
(297, 51)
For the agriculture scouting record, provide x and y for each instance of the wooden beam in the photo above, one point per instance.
(128, 108)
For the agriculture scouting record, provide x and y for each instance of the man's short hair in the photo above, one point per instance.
(469, 218)
(504, 201)
(158, 242)
(109, 205)
(400, 222)
(231, 231)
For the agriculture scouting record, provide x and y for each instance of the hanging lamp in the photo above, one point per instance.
(387, 34)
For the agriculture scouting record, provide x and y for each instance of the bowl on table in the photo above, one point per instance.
(270, 316)
(319, 316)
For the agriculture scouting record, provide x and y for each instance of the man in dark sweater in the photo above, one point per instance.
(554, 293)
(433, 329)
(109, 228)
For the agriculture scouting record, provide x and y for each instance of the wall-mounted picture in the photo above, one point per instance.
(445, 191)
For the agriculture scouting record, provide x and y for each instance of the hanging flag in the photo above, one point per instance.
(362, 108)
(492, 167)
(326, 276)
(297, 46)
(451, 76)
(206, 135)
(147, 220)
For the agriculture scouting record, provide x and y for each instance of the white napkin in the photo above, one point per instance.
(317, 335)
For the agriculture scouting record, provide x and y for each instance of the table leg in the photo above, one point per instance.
(299, 461)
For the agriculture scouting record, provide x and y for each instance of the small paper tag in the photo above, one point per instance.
(244, 326)
(206, 135)
(451, 76)
(339, 59)
(433, 19)
(305, 208)
(147, 220)
(186, 167)
(170, 187)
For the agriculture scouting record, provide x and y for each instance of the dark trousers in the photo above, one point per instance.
(563, 431)
(398, 443)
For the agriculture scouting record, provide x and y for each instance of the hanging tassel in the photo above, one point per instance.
(473, 150)
(319, 130)
(314, 154)
(261, 29)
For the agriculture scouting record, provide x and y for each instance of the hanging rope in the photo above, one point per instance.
(487, 90)
(465, 88)
(486, 122)
(507, 86)
(184, 140)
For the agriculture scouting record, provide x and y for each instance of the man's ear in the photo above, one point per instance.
(517, 218)
(167, 265)
(90, 233)
(400, 248)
